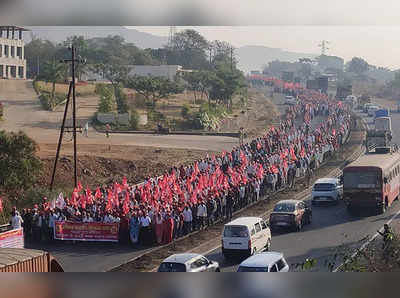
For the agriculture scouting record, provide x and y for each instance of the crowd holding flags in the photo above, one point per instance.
(217, 183)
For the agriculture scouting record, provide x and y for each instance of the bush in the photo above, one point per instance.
(1, 110)
(155, 116)
(107, 100)
(36, 87)
(185, 112)
(134, 121)
(45, 101)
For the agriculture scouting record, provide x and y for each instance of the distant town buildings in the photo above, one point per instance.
(12, 53)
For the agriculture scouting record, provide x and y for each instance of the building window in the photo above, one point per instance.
(20, 71)
(12, 51)
(1, 51)
(6, 51)
(19, 52)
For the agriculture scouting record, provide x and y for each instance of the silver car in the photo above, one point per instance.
(327, 190)
(188, 262)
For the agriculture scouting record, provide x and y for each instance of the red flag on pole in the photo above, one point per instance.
(98, 193)
(79, 187)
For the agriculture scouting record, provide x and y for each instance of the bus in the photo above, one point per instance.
(372, 181)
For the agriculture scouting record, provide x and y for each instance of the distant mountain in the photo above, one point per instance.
(255, 57)
(57, 34)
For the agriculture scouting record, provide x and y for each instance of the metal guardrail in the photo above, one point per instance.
(5, 228)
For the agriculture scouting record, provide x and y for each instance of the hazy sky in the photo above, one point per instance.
(379, 45)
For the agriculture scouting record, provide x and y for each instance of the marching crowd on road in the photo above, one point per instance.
(190, 198)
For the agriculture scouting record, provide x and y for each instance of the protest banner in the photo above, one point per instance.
(94, 231)
(12, 239)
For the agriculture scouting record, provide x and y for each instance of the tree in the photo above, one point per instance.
(53, 72)
(107, 100)
(37, 52)
(222, 53)
(198, 81)
(357, 65)
(19, 167)
(153, 88)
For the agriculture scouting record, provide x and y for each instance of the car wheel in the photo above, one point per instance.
(310, 219)
(217, 270)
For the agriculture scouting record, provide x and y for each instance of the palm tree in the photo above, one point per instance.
(53, 72)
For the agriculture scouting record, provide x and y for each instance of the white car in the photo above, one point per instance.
(188, 262)
(327, 190)
(245, 236)
(264, 262)
(290, 100)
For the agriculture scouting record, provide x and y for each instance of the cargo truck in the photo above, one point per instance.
(27, 260)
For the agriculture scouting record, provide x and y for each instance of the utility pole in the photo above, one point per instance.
(323, 46)
(232, 59)
(74, 128)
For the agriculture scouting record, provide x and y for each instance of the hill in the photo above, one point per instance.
(58, 34)
(255, 57)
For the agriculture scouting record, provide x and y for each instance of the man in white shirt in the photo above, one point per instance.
(16, 220)
(202, 214)
(187, 220)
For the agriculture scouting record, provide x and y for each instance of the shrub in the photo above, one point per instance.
(107, 101)
(155, 116)
(185, 112)
(1, 110)
(134, 121)
(45, 101)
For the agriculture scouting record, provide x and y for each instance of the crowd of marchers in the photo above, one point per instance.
(193, 197)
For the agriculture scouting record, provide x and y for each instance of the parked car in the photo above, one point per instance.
(290, 100)
(265, 262)
(188, 262)
(245, 236)
(292, 214)
(327, 190)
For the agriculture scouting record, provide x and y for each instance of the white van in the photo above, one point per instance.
(245, 236)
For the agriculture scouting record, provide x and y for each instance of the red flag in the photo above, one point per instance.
(74, 198)
(79, 187)
(125, 182)
(82, 201)
(98, 194)
(117, 188)
(125, 207)
(1, 205)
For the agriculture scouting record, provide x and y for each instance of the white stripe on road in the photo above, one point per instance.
(366, 243)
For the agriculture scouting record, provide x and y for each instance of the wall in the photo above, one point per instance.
(111, 118)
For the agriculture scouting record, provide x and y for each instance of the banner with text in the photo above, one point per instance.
(93, 231)
(12, 239)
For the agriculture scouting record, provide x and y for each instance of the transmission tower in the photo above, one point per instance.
(323, 46)
(172, 32)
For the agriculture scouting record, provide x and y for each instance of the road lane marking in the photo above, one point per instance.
(366, 243)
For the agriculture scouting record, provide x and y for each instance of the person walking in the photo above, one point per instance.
(134, 227)
(202, 215)
(86, 129)
(187, 220)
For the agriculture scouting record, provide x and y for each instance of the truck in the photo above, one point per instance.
(27, 260)
(382, 113)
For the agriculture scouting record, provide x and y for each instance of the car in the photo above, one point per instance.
(366, 106)
(327, 190)
(292, 214)
(290, 100)
(245, 236)
(188, 262)
(264, 262)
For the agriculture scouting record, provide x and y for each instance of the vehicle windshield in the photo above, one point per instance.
(284, 207)
(324, 187)
(252, 269)
(172, 267)
(236, 231)
(361, 180)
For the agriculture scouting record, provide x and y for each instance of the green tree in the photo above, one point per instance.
(37, 52)
(357, 65)
(19, 167)
(53, 72)
(107, 100)
(153, 88)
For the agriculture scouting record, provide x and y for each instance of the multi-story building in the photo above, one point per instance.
(12, 53)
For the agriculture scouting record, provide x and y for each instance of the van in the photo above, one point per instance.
(245, 236)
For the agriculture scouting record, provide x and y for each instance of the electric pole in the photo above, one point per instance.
(323, 46)
(74, 128)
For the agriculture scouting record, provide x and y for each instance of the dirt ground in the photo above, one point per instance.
(98, 165)
(203, 241)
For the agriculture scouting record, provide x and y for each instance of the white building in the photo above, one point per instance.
(12, 53)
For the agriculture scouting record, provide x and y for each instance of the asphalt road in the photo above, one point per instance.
(332, 230)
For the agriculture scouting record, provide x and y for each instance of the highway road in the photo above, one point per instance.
(332, 230)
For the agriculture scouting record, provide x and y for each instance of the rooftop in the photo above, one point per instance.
(326, 180)
(244, 221)
(16, 28)
(263, 259)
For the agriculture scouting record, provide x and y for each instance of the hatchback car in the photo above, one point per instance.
(292, 214)
(188, 262)
(264, 262)
(327, 190)
(290, 100)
